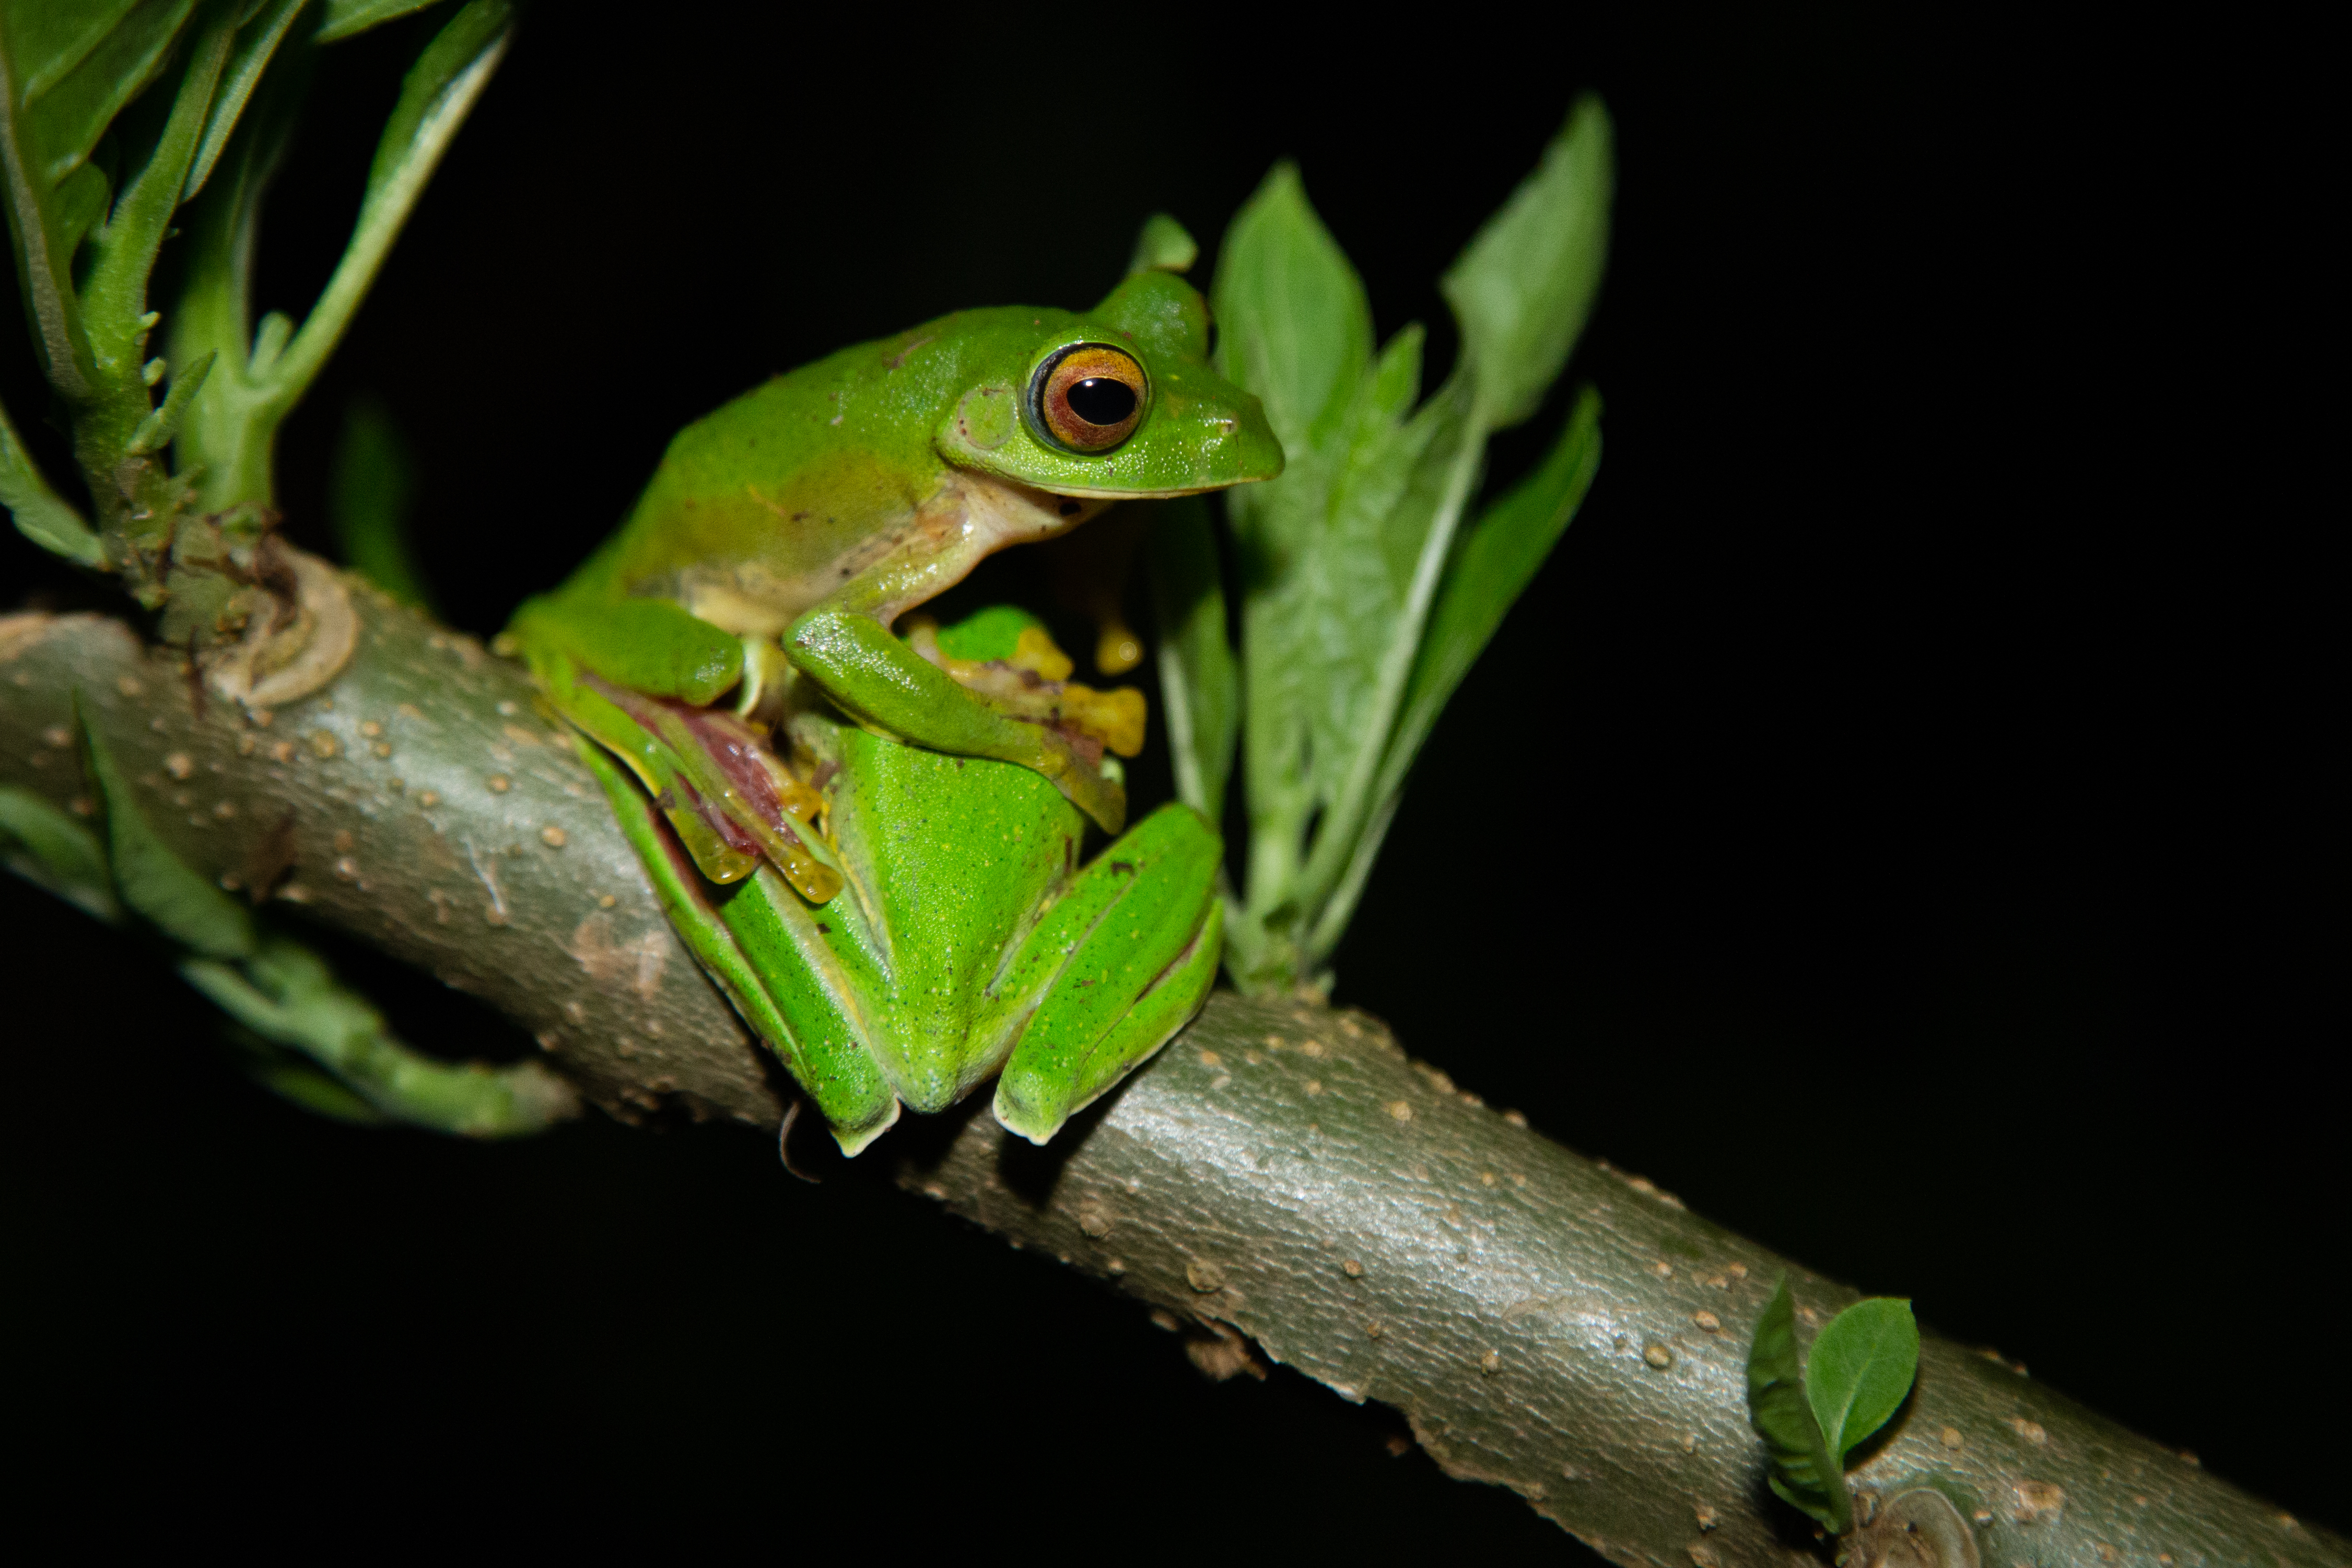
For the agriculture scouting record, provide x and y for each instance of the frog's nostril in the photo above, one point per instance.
(1099, 400)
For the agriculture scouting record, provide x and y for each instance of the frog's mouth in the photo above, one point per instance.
(1106, 496)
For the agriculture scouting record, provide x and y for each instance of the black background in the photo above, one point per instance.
(1894, 819)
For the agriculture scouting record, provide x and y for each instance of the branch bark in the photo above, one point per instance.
(1282, 1178)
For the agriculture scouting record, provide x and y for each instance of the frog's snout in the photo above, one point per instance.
(1245, 446)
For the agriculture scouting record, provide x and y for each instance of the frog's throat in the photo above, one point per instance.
(969, 517)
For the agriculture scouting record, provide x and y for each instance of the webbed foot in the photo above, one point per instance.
(1121, 960)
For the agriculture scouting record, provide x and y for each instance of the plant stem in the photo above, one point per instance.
(1282, 1176)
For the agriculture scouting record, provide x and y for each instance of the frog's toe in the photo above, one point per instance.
(854, 1140)
(1085, 785)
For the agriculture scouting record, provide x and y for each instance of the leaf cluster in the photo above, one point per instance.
(1812, 1411)
(1365, 597)
(124, 123)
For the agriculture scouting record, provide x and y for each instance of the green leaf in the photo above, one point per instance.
(66, 71)
(226, 443)
(288, 997)
(371, 484)
(1389, 526)
(111, 115)
(1200, 686)
(314, 1092)
(114, 286)
(1295, 329)
(81, 204)
(1163, 247)
(283, 1072)
(40, 514)
(74, 68)
(152, 879)
(222, 446)
(155, 432)
(1499, 556)
(256, 44)
(433, 97)
(1860, 1370)
(1294, 326)
(340, 19)
(1334, 553)
(1524, 287)
(51, 849)
(1803, 1474)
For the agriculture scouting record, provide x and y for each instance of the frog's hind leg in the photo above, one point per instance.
(1115, 968)
(755, 939)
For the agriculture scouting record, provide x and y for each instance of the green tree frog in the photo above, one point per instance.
(873, 840)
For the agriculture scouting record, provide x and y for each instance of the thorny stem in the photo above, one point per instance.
(1282, 1176)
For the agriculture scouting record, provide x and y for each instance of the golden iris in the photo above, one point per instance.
(1090, 396)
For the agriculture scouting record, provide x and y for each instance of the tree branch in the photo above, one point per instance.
(423, 804)
(1282, 1177)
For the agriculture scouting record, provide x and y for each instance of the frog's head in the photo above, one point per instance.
(1118, 401)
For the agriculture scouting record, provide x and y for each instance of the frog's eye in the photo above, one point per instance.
(1089, 397)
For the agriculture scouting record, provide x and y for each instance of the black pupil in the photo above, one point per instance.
(1099, 400)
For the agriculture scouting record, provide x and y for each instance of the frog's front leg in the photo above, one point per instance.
(879, 680)
(1118, 964)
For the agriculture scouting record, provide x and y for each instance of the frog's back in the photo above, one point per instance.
(776, 489)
